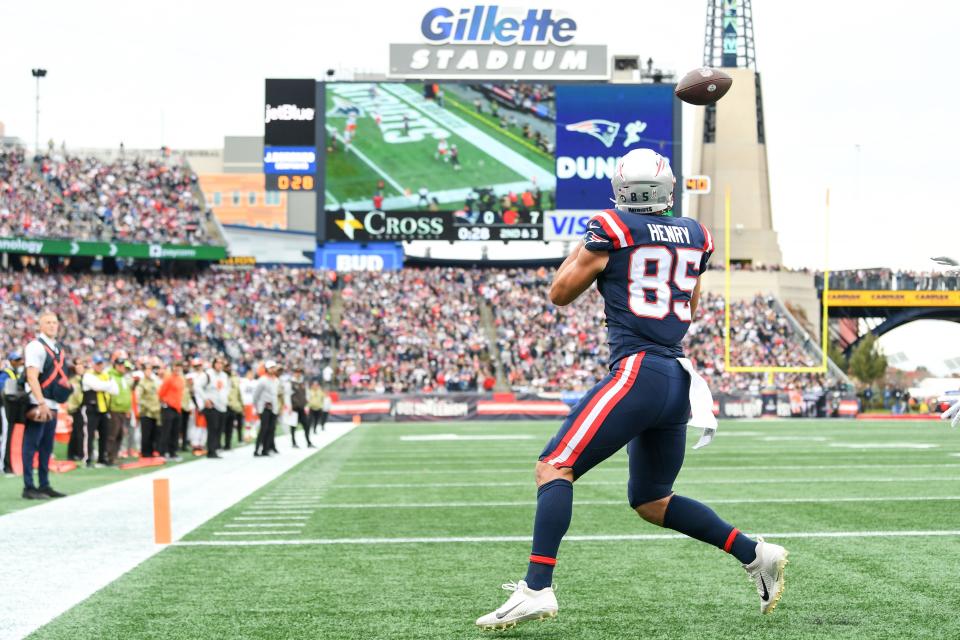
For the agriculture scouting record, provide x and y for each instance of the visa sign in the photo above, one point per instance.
(566, 225)
(493, 25)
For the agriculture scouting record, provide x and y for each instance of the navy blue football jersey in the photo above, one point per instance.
(649, 279)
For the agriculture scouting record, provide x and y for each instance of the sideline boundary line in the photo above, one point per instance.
(110, 530)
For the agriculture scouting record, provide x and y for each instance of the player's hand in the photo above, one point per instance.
(706, 438)
(43, 413)
(952, 412)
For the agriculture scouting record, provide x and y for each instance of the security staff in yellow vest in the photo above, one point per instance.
(98, 388)
(121, 406)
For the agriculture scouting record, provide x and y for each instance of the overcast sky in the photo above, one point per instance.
(859, 97)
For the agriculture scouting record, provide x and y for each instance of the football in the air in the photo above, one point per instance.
(703, 86)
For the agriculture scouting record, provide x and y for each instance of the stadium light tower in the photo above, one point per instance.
(731, 140)
(37, 73)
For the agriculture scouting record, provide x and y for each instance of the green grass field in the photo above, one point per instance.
(351, 574)
(407, 165)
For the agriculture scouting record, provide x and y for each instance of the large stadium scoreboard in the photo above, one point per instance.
(458, 161)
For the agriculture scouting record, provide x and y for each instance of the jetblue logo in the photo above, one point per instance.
(496, 25)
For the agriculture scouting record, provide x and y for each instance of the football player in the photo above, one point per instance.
(647, 266)
(952, 412)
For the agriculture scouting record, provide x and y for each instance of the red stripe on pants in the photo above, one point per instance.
(606, 411)
(583, 414)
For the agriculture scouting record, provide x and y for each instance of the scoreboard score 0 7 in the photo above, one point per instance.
(498, 225)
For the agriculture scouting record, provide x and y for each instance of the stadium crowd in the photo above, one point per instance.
(249, 316)
(889, 279)
(412, 330)
(212, 335)
(548, 348)
(126, 200)
(869, 279)
(399, 331)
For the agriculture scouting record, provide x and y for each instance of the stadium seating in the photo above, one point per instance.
(250, 316)
(411, 330)
(126, 200)
(399, 331)
(546, 348)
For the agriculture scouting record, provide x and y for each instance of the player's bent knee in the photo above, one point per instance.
(653, 511)
(547, 473)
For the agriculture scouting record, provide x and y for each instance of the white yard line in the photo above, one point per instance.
(579, 503)
(687, 469)
(272, 524)
(299, 512)
(330, 199)
(370, 163)
(441, 485)
(585, 538)
(109, 530)
(280, 518)
(276, 531)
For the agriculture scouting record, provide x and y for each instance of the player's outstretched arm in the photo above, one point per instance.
(695, 300)
(576, 274)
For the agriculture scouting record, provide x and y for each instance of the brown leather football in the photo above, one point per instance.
(703, 86)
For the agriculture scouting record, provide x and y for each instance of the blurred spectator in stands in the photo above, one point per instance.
(148, 404)
(234, 418)
(74, 407)
(171, 405)
(265, 401)
(98, 391)
(14, 402)
(298, 402)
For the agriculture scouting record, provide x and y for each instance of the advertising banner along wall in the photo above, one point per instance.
(39, 246)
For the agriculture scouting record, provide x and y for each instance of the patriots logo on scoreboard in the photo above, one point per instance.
(603, 130)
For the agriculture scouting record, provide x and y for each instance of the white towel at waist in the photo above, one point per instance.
(701, 405)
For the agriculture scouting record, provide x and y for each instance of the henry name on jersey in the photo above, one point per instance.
(664, 233)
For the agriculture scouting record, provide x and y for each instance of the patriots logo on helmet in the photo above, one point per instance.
(603, 130)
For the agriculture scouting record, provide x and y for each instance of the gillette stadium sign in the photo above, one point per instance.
(490, 41)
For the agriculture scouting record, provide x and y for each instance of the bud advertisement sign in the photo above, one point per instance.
(493, 41)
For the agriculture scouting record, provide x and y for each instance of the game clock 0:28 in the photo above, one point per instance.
(290, 182)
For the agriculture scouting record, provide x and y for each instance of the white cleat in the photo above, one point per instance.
(524, 604)
(767, 572)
